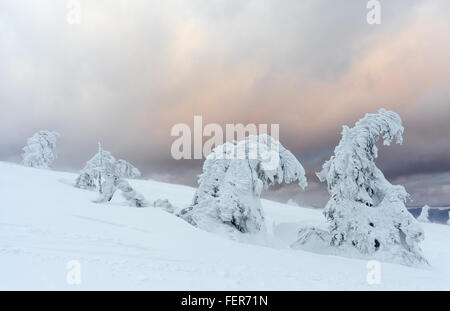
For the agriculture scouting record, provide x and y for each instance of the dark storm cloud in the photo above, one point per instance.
(133, 69)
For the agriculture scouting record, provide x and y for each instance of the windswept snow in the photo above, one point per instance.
(45, 223)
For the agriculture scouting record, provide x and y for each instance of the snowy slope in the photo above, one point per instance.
(45, 223)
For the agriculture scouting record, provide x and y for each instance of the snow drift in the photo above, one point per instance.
(45, 223)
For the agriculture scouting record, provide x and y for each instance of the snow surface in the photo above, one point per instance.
(45, 222)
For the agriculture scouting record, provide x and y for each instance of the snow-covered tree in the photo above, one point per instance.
(101, 164)
(424, 214)
(448, 221)
(40, 151)
(113, 183)
(365, 211)
(234, 175)
(104, 173)
(86, 180)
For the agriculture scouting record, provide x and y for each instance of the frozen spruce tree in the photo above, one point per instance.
(104, 173)
(448, 221)
(424, 214)
(103, 163)
(234, 175)
(365, 211)
(40, 151)
(92, 175)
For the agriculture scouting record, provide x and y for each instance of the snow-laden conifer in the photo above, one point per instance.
(234, 175)
(104, 163)
(101, 164)
(424, 214)
(40, 151)
(365, 211)
(105, 173)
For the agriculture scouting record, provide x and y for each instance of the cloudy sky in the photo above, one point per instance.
(130, 70)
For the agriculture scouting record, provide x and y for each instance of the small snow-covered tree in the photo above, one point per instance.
(86, 180)
(40, 151)
(112, 184)
(365, 211)
(234, 175)
(107, 174)
(424, 214)
(101, 164)
(448, 221)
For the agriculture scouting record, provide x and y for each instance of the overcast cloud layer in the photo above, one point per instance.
(133, 69)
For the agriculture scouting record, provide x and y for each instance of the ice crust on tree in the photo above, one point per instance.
(234, 175)
(40, 151)
(365, 211)
(424, 214)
